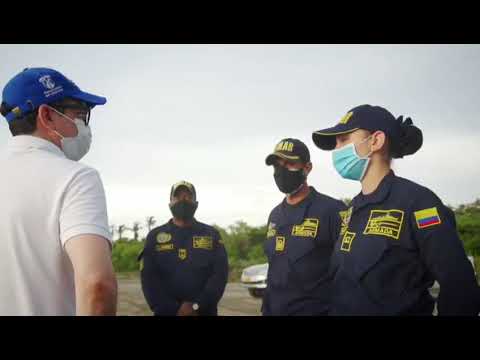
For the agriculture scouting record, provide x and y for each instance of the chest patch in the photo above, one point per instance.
(385, 223)
(308, 228)
(202, 242)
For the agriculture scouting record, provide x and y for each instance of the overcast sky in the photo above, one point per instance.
(210, 114)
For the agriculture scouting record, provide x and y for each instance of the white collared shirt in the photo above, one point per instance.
(45, 200)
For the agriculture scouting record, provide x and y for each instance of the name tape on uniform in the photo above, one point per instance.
(164, 247)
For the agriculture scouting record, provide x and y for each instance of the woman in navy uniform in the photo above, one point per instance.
(184, 265)
(399, 237)
(302, 231)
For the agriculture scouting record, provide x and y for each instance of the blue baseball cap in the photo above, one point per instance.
(33, 87)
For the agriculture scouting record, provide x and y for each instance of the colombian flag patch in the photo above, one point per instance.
(427, 217)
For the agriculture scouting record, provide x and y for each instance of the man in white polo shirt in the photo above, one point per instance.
(54, 235)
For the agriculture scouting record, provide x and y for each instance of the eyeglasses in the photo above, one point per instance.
(83, 112)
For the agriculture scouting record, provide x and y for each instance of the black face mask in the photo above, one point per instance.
(287, 180)
(184, 210)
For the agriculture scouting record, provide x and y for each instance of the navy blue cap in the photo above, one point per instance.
(406, 139)
(36, 86)
(289, 149)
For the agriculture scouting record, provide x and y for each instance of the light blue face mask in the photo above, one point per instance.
(349, 164)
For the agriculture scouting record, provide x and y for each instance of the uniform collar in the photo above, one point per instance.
(25, 143)
(380, 193)
(194, 226)
(294, 214)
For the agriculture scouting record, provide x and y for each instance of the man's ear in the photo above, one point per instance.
(308, 167)
(44, 121)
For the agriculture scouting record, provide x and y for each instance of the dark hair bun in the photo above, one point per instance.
(410, 140)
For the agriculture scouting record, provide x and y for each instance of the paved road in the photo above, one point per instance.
(235, 302)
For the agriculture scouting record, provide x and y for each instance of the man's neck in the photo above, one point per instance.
(374, 177)
(299, 195)
(182, 223)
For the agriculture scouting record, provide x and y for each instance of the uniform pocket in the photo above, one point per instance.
(308, 263)
(367, 257)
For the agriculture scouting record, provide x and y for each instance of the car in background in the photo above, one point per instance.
(254, 278)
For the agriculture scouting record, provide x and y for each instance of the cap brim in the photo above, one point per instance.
(270, 160)
(89, 98)
(326, 139)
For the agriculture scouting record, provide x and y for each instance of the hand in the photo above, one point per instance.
(186, 309)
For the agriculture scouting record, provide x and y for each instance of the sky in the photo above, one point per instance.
(210, 114)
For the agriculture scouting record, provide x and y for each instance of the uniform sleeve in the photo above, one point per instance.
(84, 208)
(213, 291)
(434, 229)
(265, 309)
(156, 292)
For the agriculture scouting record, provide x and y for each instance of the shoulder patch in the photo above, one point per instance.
(271, 230)
(345, 216)
(427, 217)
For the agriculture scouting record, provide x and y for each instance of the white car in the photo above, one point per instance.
(254, 278)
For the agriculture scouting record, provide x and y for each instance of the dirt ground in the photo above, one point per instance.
(235, 302)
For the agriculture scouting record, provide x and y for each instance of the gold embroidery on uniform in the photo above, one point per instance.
(163, 237)
(280, 243)
(164, 247)
(385, 223)
(182, 254)
(308, 228)
(347, 241)
(345, 216)
(202, 242)
(271, 230)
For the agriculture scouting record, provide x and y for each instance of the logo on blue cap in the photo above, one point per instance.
(47, 82)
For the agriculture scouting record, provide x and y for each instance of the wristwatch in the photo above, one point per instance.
(195, 306)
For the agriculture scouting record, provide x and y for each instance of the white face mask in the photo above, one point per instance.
(76, 147)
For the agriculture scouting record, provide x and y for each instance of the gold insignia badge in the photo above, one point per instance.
(280, 243)
(163, 237)
(347, 241)
(182, 254)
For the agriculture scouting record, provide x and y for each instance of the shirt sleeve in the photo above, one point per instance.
(84, 208)
(441, 249)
